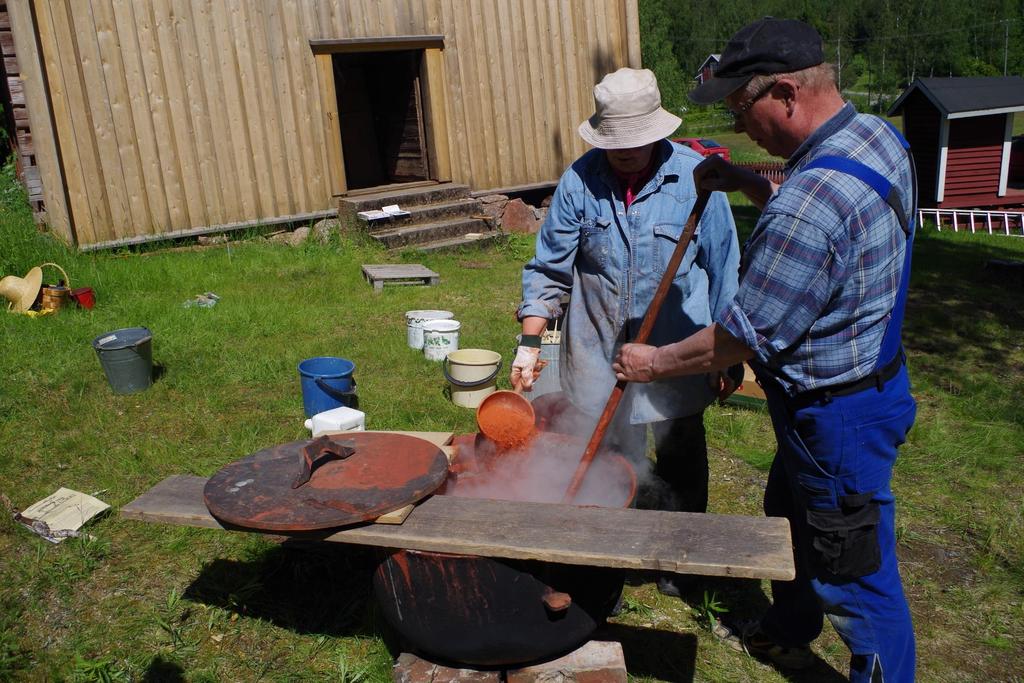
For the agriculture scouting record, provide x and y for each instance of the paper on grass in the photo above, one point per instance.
(61, 512)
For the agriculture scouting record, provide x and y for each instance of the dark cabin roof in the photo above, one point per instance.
(958, 98)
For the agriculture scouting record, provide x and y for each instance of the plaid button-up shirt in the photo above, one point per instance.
(820, 272)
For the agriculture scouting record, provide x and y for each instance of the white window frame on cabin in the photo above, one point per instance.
(1004, 161)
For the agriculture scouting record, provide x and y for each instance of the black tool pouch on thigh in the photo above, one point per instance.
(846, 540)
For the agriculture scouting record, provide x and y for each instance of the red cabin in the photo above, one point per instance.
(961, 132)
(707, 68)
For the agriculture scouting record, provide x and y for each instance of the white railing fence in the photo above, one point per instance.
(1009, 223)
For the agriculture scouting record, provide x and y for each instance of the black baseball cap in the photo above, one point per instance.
(767, 46)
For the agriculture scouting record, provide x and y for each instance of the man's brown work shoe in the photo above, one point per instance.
(747, 637)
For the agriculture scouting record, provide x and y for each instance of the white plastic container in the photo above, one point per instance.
(414, 325)
(342, 419)
(440, 337)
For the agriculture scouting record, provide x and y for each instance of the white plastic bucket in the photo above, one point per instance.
(472, 375)
(414, 325)
(440, 337)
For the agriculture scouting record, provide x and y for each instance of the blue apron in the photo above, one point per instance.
(831, 478)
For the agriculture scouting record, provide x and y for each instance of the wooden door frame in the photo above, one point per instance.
(434, 96)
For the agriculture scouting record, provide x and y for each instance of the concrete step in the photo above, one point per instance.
(411, 235)
(485, 239)
(431, 213)
(406, 198)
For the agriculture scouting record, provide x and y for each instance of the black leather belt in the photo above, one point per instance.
(876, 380)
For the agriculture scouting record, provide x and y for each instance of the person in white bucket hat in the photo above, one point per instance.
(614, 220)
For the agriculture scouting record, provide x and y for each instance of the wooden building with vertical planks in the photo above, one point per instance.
(960, 131)
(151, 119)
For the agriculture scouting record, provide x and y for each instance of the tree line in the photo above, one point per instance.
(880, 46)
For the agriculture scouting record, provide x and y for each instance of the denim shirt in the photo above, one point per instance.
(611, 261)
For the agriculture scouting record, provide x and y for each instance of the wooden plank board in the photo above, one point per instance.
(145, 142)
(103, 127)
(154, 105)
(313, 116)
(215, 124)
(179, 115)
(331, 124)
(44, 144)
(681, 542)
(501, 114)
(462, 156)
(481, 159)
(532, 124)
(204, 139)
(270, 96)
(241, 163)
(750, 388)
(125, 166)
(285, 33)
(399, 274)
(253, 108)
(74, 121)
(633, 33)
(436, 115)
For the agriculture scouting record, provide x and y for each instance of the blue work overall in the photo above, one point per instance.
(831, 478)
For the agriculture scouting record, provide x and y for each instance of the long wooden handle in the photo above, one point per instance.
(641, 338)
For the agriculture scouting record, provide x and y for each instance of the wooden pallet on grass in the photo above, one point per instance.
(379, 275)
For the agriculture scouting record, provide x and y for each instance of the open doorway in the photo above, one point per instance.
(380, 112)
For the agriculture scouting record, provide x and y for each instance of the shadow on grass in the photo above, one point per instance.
(304, 586)
(663, 655)
(954, 298)
(741, 600)
(161, 670)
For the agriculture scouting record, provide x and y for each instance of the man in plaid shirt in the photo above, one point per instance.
(818, 314)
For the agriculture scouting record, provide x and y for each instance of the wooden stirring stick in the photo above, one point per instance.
(641, 338)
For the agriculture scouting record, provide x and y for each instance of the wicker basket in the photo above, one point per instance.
(55, 297)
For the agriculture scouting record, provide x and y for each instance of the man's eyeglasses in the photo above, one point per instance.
(745, 107)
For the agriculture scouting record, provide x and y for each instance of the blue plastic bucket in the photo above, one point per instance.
(327, 383)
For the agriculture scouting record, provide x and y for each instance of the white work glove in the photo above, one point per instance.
(524, 367)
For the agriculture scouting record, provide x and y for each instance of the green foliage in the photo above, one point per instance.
(658, 56)
(22, 246)
(973, 66)
(879, 45)
(13, 658)
(633, 605)
(710, 610)
(102, 670)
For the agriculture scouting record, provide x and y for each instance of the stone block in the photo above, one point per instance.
(323, 229)
(493, 206)
(299, 236)
(519, 217)
(593, 662)
(409, 668)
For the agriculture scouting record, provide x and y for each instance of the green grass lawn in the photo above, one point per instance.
(148, 602)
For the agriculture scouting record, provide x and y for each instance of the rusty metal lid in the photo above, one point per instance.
(325, 482)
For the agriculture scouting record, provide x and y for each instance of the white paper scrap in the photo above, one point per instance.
(61, 514)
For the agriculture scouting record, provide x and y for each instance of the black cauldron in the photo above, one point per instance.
(492, 612)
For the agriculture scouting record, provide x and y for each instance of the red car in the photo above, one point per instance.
(704, 146)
